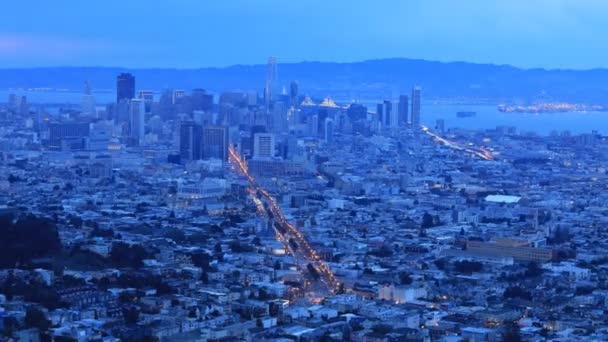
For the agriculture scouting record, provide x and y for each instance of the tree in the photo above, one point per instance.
(130, 314)
(35, 318)
(313, 271)
(517, 292)
(533, 270)
(427, 221)
(201, 260)
(467, 267)
(176, 235)
(10, 325)
(440, 263)
(123, 255)
(405, 278)
(512, 334)
(103, 233)
(217, 248)
(382, 329)
(26, 238)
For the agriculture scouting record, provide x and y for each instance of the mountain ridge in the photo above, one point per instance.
(375, 78)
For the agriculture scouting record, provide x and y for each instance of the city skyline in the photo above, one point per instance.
(391, 199)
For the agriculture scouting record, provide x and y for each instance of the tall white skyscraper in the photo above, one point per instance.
(263, 145)
(88, 101)
(394, 117)
(271, 78)
(137, 120)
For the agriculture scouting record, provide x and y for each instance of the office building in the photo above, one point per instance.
(121, 110)
(190, 140)
(125, 87)
(356, 112)
(88, 101)
(386, 114)
(293, 94)
(201, 100)
(278, 118)
(99, 136)
(329, 130)
(403, 109)
(215, 142)
(204, 118)
(415, 121)
(165, 108)
(13, 102)
(137, 121)
(312, 123)
(202, 142)
(177, 95)
(263, 145)
(440, 126)
(148, 97)
(271, 78)
(68, 135)
(510, 248)
(252, 98)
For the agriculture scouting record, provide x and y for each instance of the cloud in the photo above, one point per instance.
(27, 46)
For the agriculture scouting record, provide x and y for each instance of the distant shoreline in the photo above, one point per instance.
(551, 108)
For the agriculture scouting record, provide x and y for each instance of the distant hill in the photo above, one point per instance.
(373, 79)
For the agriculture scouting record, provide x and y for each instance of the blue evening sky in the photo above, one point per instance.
(200, 33)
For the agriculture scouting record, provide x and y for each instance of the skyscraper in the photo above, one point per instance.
(386, 115)
(440, 126)
(278, 118)
(393, 117)
(312, 123)
(24, 108)
(201, 100)
(190, 140)
(415, 107)
(88, 101)
(177, 95)
(215, 142)
(263, 145)
(329, 130)
(356, 112)
(271, 77)
(148, 97)
(293, 94)
(403, 110)
(13, 102)
(125, 87)
(137, 121)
